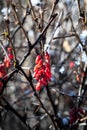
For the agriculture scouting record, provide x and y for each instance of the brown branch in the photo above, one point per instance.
(21, 26)
(77, 36)
(38, 40)
(53, 8)
(30, 81)
(9, 39)
(58, 121)
(66, 36)
(44, 30)
(9, 107)
(79, 7)
(33, 12)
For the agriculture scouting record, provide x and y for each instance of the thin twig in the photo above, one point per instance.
(77, 36)
(53, 8)
(59, 123)
(18, 27)
(78, 1)
(38, 40)
(9, 107)
(32, 9)
(30, 81)
(21, 26)
(44, 30)
(82, 89)
(66, 36)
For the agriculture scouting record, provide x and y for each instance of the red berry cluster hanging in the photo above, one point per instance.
(7, 62)
(42, 72)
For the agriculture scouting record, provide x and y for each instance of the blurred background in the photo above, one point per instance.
(63, 41)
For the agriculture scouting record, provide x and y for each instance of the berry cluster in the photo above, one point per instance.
(7, 62)
(42, 71)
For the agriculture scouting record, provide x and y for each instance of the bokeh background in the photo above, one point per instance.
(68, 59)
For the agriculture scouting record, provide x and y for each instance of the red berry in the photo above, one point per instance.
(2, 73)
(39, 65)
(47, 57)
(34, 75)
(35, 68)
(44, 81)
(38, 86)
(38, 74)
(7, 62)
(10, 56)
(9, 49)
(2, 66)
(38, 58)
(40, 62)
(71, 64)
